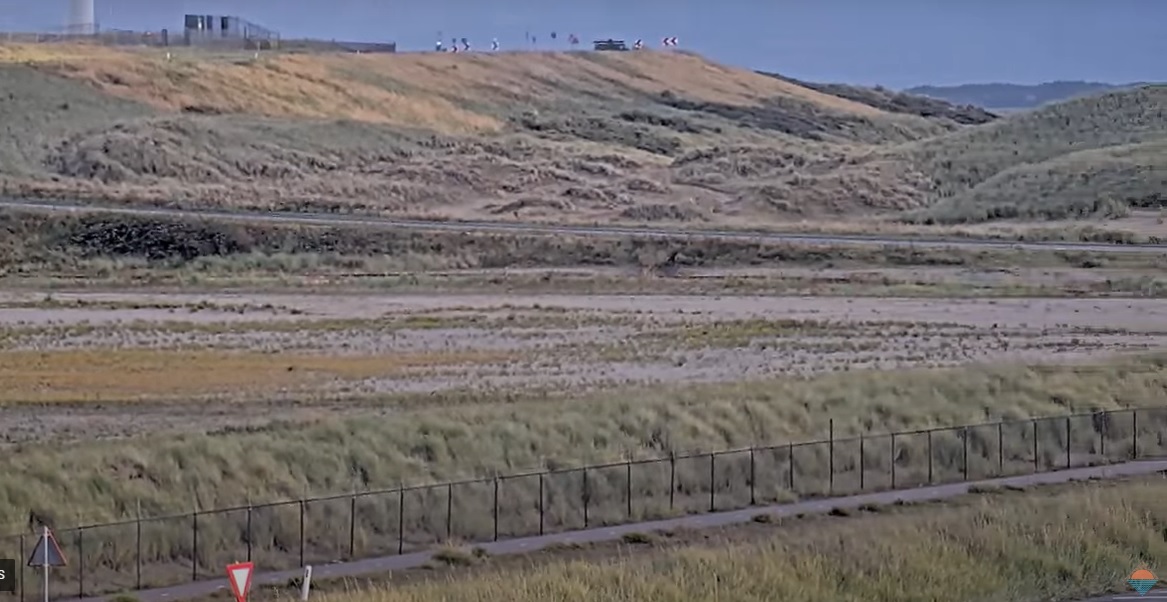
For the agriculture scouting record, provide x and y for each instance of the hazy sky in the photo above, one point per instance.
(896, 43)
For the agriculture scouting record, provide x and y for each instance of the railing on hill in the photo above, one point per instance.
(169, 550)
(179, 38)
(103, 38)
(168, 38)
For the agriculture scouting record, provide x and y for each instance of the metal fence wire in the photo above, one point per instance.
(149, 552)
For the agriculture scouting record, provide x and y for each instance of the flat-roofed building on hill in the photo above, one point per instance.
(220, 30)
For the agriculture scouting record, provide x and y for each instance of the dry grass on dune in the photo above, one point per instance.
(587, 136)
(692, 76)
(1063, 543)
(285, 86)
(666, 137)
(426, 90)
(452, 434)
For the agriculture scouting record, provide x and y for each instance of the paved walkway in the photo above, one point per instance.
(530, 544)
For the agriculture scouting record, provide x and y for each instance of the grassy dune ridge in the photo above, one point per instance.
(481, 436)
(1082, 157)
(650, 136)
(178, 474)
(1063, 543)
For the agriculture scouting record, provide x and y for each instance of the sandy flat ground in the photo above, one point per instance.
(1134, 314)
(558, 342)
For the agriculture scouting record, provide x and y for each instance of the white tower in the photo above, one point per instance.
(81, 17)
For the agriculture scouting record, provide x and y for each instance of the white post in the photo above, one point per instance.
(307, 583)
(45, 543)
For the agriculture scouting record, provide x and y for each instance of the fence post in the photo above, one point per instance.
(672, 479)
(352, 526)
(401, 519)
(862, 463)
(628, 485)
(1102, 436)
(712, 483)
(831, 456)
(496, 479)
(138, 549)
(80, 562)
(301, 532)
(790, 467)
(1034, 433)
(248, 531)
(1135, 432)
(964, 457)
(753, 475)
(893, 460)
(585, 496)
(930, 463)
(194, 557)
(541, 508)
(1068, 435)
(450, 510)
(1001, 448)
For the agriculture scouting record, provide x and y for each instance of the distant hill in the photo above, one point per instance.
(995, 96)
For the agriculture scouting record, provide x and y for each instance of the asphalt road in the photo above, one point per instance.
(531, 544)
(529, 228)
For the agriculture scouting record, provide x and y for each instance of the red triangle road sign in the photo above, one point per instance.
(239, 574)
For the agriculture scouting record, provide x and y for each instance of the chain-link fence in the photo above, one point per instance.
(161, 551)
(179, 38)
(114, 37)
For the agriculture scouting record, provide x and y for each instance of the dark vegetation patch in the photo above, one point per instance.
(653, 212)
(799, 118)
(621, 131)
(32, 240)
(677, 124)
(899, 102)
